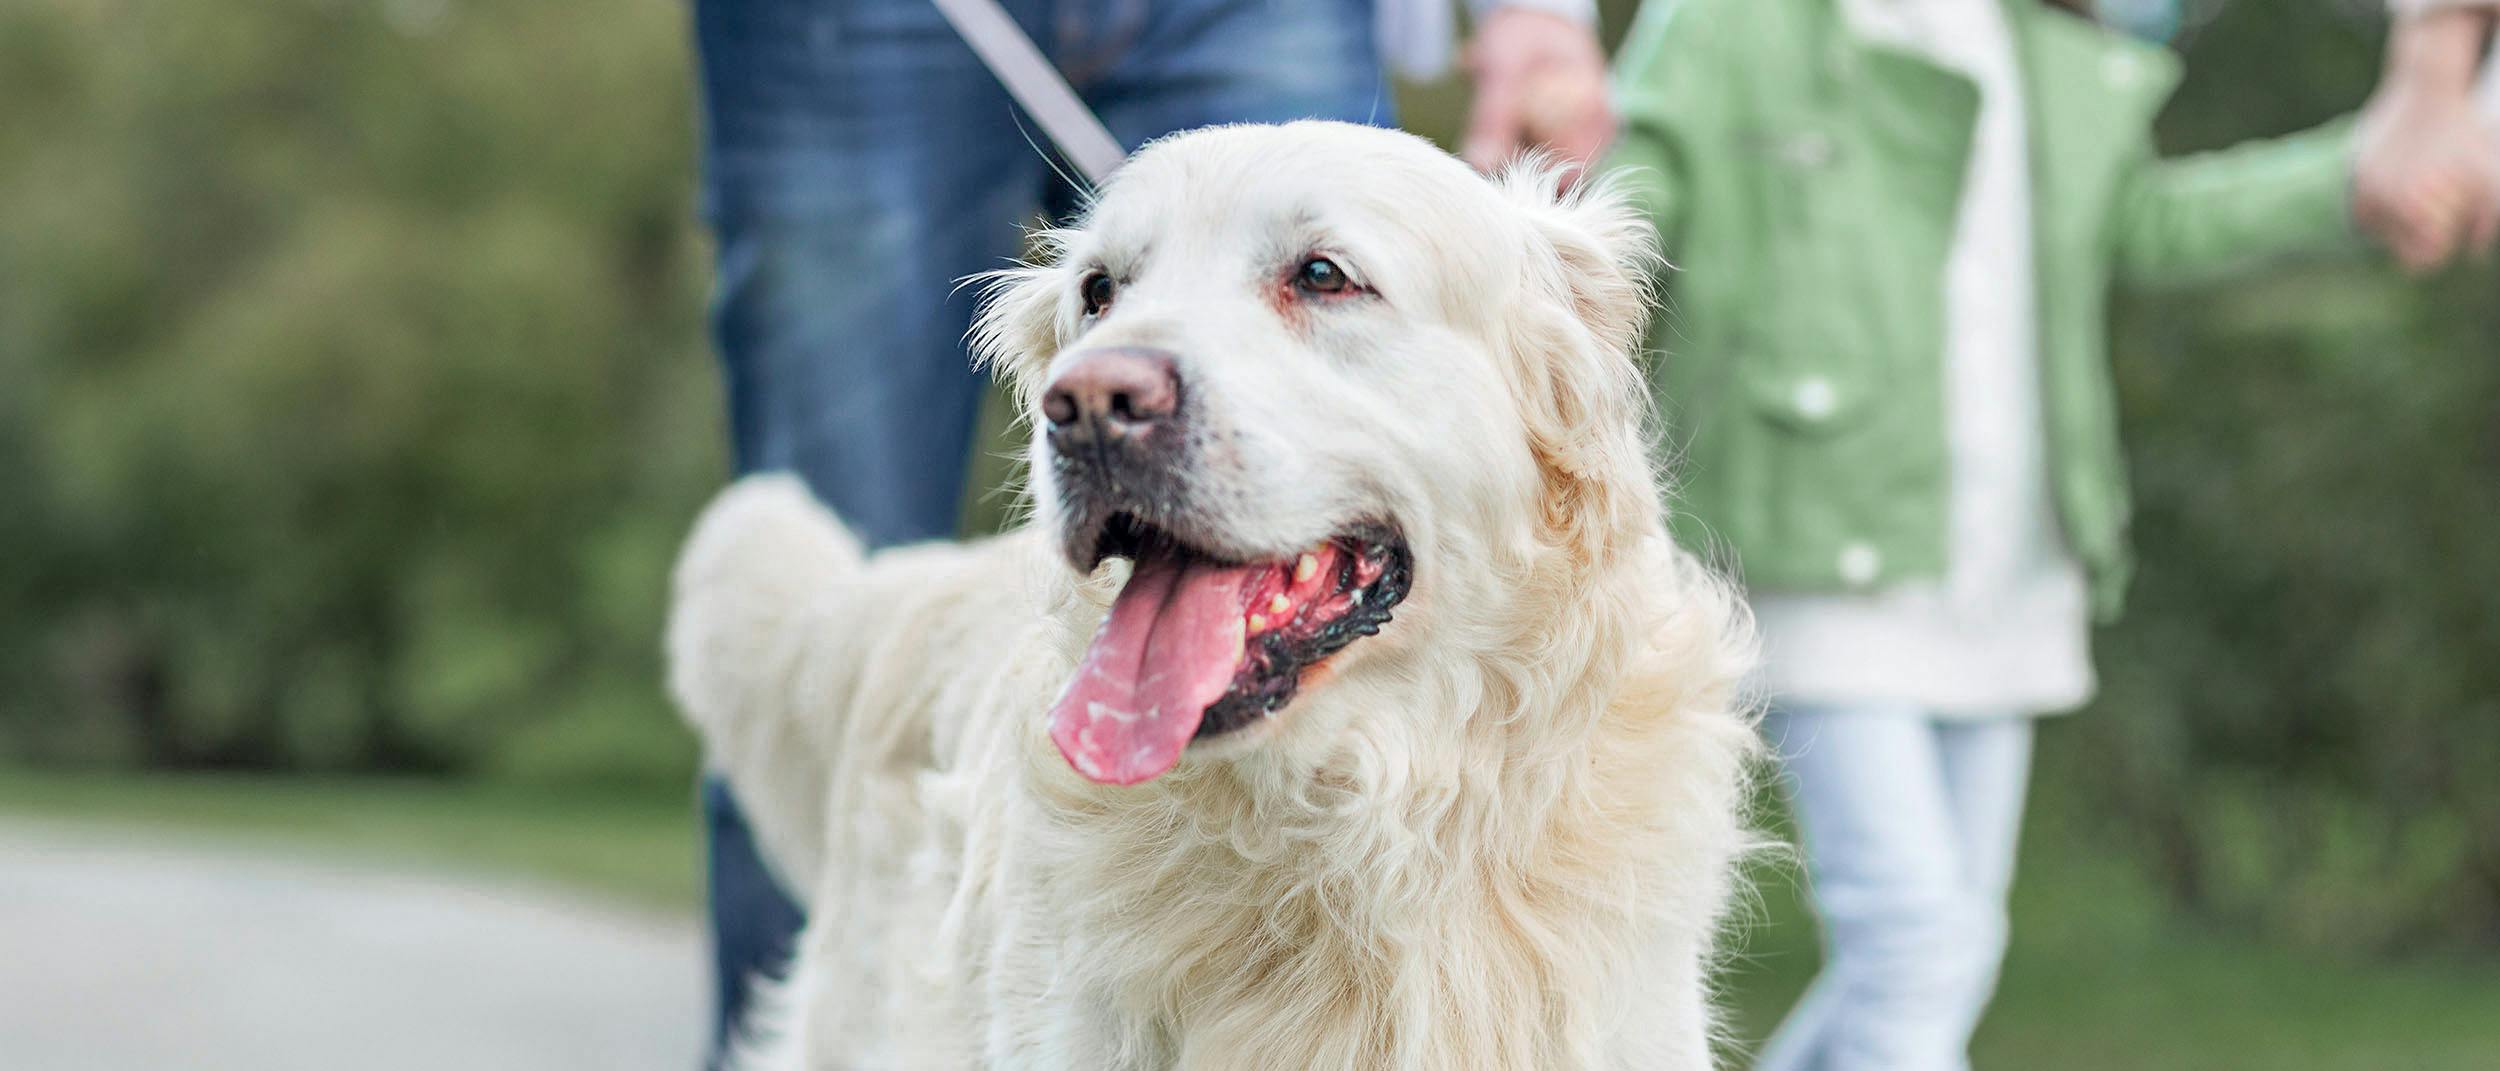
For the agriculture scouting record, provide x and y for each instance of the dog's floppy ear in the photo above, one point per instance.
(1020, 326)
(1607, 249)
(1584, 396)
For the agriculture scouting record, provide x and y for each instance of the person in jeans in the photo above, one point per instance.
(1885, 376)
(859, 162)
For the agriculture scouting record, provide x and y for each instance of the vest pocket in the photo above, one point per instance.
(1812, 357)
(1808, 390)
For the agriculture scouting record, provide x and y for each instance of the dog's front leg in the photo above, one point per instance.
(1080, 1035)
(1672, 1032)
(1048, 1012)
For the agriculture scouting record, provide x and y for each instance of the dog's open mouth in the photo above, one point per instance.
(1196, 646)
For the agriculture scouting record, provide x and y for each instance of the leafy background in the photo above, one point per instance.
(354, 392)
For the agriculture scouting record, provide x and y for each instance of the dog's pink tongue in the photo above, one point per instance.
(1169, 648)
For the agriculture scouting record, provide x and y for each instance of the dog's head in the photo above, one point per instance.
(1305, 379)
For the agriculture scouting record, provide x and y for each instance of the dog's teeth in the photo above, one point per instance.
(1280, 605)
(1304, 568)
(1258, 622)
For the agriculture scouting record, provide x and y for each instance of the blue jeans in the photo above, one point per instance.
(859, 162)
(1909, 822)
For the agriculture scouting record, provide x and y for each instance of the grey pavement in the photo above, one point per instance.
(119, 953)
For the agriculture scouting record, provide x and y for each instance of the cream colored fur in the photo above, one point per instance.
(1498, 835)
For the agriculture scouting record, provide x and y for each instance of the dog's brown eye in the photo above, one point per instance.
(1098, 290)
(1320, 275)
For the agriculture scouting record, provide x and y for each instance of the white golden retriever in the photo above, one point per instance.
(1343, 705)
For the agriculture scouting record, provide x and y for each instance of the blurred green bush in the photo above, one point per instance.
(353, 396)
(353, 393)
(2300, 715)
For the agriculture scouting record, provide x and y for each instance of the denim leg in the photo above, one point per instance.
(858, 162)
(1913, 940)
(753, 921)
(1187, 63)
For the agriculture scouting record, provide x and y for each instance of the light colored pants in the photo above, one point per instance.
(1909, 823)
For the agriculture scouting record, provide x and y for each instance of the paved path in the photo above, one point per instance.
(124, 954)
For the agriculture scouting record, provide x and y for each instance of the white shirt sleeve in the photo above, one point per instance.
(2416, 7)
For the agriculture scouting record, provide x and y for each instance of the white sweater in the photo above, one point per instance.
(2007, 630)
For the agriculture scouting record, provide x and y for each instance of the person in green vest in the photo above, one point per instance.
(1884, 375)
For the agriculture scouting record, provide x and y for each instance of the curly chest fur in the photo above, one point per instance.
(1343, 942)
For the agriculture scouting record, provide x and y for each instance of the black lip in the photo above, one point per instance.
(1272, 672)
(1280, 662)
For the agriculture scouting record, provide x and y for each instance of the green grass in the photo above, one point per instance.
(2098, 980)
(2101, 978)
(638, 848)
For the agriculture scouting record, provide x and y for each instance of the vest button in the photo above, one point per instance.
(1815, 399)
(2121, 69)
(1860, 563)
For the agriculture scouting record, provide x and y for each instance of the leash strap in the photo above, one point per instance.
(1036, 85)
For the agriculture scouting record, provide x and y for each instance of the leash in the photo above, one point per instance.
(1036, 85)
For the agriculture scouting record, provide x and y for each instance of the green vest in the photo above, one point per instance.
(1806, 184)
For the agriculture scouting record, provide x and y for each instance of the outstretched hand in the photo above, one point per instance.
(1540, 83)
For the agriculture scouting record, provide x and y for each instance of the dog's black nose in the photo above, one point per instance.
(1112, 397)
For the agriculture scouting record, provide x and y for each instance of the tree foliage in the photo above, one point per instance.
(2301, 712)
(352, 393)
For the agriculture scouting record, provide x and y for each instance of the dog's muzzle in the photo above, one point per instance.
(1118, 435)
